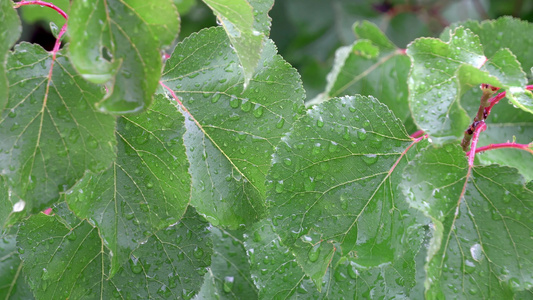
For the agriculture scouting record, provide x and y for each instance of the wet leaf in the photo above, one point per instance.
(145, 189)
(10, 29)
(12, 282)
(231, 133)
(50, 132)
(247, 24)
(332, 181)
(118, 43)
(482, 225)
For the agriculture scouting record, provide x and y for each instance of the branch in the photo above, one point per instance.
(479, 128)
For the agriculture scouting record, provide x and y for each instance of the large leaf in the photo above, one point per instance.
(443, 71)
(247, 24)
(118, 43)
(332, 186)
(371, 66)
(231, 134)
(12, 282)
(482, 225)
(10, 29)
(146, 188)
(63, 262)
(229, 274)
(50, 132)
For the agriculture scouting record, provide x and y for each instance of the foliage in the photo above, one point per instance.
(135, 166)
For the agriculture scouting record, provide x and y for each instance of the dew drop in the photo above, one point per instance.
(361, 134)
(228, 283)
(258, 111)
(314, 253)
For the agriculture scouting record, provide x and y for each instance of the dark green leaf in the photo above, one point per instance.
(147, 187)
(231, 134)
(332, 186)
(118, 43)
(482, 225)
(12, 283)
(63, 262)
(247, 24)
(50, 132)
(10, 29)
(229, 274)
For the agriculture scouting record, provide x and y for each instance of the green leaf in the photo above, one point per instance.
(11, 206)
(482, 225)
(273, 265)
(229, 274)
(247, 24)
(145, 189)
(231, 134)
(63, 262)
(117, 43)
(12, 283)
(49, 132)
(333, 178)
(10, 29)
(184, 6)
(371, 66)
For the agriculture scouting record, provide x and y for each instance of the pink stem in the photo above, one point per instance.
(47, 211)
(417, 134)
(524, 147)
(42, 3)
(494, 100)
(479, 128)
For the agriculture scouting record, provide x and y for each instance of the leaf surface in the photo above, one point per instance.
(231, 134)
(68, 262)
(10, 28)
(50, 132)
(145, 189)
(12, 282)
(483, 220)
(118, 43)
(247, 24)
(332, 186)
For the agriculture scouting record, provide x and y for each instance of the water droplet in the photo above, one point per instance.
(468, 266)
(136, 268)
(361, 134)
(477, 252)
(280, 123)
(370, 159)
(234, 102)
(258, 111)
(320, 123)
(279, 187)
(72, 236)
(314, 253)
(215, 98)
(352, 270)
(198, 252)
(228, 283)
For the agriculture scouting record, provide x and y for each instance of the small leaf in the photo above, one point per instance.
(229, 274)
(50, 132)
(146, 188)
(231, 134)
(247, 24)
(117, 43)
(483, 220)
(371, 66)
(10, 29)
(333, 178)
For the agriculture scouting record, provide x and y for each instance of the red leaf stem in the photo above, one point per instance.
(479, 128)
(42, 3)
(525, 147)
(494, 100)
(417, 134)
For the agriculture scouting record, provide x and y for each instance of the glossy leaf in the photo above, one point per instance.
(11, 206)
(10, 29)
(118, 42)
(372, 65)
(50, 132)
(12, 282)
(70, 262)
(145, 189)
(332, 181)
(231, 134)
(483, 220)
(229, 275)
(247, 24)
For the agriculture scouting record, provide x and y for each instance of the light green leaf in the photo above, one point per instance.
(229, 274)
(63, 262)
(116, 42)
(371, 66)
(247, 24)
(146, 188)
(10, 29)
(332, 181)
(12, 282)
(184, 6)
(231, 134)
(482, 225)
(49, 132)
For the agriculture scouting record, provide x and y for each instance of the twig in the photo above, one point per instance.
(481, 127)
(525, 147)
